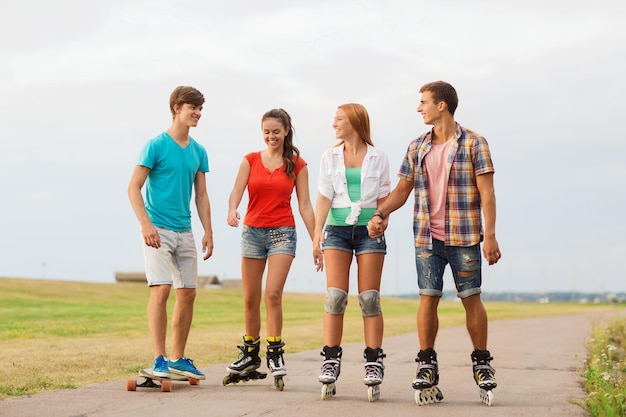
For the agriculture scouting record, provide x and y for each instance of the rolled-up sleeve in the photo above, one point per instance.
(385, 182)
(325, 181)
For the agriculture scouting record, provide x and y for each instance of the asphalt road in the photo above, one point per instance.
(537, 362)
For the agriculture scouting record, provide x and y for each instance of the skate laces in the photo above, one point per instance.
(329, 367)
(276, 361)
(483, 371)
(374, 370)
(242, 352)
(426, 371)
(245, 355)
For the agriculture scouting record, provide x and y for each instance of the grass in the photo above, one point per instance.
(56, 334)
(605, 373)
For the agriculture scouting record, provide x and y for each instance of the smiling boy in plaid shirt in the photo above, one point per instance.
(450, 171)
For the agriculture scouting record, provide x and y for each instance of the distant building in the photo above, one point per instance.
(203, 280)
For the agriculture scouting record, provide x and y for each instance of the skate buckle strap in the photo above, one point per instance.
(484, 373)
(483, 369)
(426, 372)
(275, 353)
(243, 350)
(426, 366)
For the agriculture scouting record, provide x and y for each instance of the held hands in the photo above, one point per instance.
(233, 218)
(377, 226)
(318, 255)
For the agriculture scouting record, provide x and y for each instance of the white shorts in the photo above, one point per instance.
(175, 262)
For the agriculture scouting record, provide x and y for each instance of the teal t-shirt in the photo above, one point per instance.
(170, 181)
(337, 216)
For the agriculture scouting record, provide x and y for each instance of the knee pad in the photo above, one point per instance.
(336, 301)
(370, 303)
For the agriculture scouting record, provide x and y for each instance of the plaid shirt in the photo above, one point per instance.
(469, 156)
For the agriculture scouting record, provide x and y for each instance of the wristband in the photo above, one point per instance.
(378, 213)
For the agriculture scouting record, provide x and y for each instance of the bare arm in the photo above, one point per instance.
(306, 212)
(391, 203)
(138, 179)
(491, 249)
(322, 207)
(241, 182)
(204, 212)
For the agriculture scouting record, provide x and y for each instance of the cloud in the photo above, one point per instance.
(542, 81)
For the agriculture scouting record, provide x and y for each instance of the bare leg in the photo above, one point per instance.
(277, 271)
(157, 317)
(181, 320)
(476, 321)
(369, 273)
(337, 276)
(427, 321)
(252, 281)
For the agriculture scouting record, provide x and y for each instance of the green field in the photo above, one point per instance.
(58, 334)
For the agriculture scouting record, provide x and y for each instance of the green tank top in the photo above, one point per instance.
(337, 216)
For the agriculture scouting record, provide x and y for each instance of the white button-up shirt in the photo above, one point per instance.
(375, 183)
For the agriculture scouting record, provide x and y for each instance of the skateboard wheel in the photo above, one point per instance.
(194, 381)
(131, 385)
(166, 386)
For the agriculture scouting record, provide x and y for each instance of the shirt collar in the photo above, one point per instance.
(458, 132)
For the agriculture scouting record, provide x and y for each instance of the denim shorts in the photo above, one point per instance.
(175, 262)
(352, 239)
(431, 264)
(261, 242)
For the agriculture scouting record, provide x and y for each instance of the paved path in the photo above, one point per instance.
(538, 362)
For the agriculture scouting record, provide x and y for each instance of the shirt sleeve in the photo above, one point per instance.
(300, 163)
(481, 158)
(204, 163)
(324, 182)
(250, 157)
(385, 182)
(407, 169)
(147, 155)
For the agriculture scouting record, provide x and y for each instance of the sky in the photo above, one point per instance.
(83, 85)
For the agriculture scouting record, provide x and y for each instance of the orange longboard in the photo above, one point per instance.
(164, 383)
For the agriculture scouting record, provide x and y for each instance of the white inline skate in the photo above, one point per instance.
(331, 368)
(374, 372)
